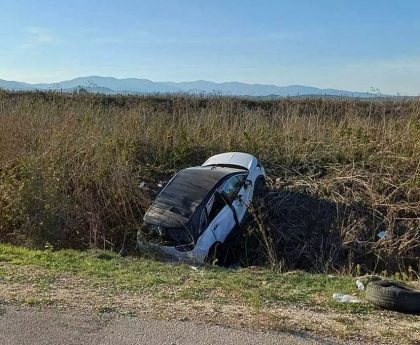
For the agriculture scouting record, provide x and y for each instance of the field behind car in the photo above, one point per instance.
(342, 173)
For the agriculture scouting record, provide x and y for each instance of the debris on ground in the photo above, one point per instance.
(382, 235)
(339, 297)
(360, 285)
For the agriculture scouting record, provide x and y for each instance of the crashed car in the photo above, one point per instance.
(200, 206)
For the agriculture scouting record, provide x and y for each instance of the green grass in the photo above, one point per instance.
(103, 282)
(254, 288)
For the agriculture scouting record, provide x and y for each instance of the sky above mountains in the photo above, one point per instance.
(352, 45)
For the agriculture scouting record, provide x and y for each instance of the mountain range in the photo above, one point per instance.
(109, 85)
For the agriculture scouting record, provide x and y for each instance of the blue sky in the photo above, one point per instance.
(353, 45)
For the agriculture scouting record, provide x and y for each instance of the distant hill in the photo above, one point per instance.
(109, 85)
(15, 85)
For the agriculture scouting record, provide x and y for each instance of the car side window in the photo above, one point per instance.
(233, 186)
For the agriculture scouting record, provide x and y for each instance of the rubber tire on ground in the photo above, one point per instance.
(392, 295)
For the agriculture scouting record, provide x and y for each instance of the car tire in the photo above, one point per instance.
(392, 295)
(216, 254)
(259, 189)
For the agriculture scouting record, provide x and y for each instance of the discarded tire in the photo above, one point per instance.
(394, 296)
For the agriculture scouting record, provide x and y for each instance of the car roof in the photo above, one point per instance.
(178, 201)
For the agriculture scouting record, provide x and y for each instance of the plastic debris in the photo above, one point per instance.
(360, 285)
(339, 297)
(142, 185)
(382, 234)
(194, 268)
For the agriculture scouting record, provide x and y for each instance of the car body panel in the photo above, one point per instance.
(217, 231)
(240, 159)
(222, 224)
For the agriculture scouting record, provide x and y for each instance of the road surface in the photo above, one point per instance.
(29, 325)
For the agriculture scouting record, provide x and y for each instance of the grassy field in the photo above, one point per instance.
(251, 287)
(103, 282)
(340, 172)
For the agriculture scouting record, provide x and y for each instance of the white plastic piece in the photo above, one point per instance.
(339, 297)
(382, 234)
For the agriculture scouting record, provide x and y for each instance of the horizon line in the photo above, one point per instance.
(379, 93)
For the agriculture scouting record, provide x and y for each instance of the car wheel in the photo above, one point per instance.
(216, 254)
(259, 189)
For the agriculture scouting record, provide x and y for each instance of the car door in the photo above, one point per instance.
(222, 225)
(219, 219)
(219, 226)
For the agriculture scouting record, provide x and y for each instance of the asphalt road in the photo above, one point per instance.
(20, 326)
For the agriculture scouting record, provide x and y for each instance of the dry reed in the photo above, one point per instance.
(340, 170)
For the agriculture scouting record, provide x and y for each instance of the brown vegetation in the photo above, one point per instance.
(340, 171)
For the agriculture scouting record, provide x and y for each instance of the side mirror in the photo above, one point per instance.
(247, 183)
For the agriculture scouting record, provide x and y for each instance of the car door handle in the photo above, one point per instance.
(212, 231)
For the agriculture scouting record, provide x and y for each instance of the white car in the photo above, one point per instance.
(200, 206)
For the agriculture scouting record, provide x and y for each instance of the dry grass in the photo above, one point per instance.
(340, 171)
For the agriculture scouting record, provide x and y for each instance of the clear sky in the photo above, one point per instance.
(348, 44)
